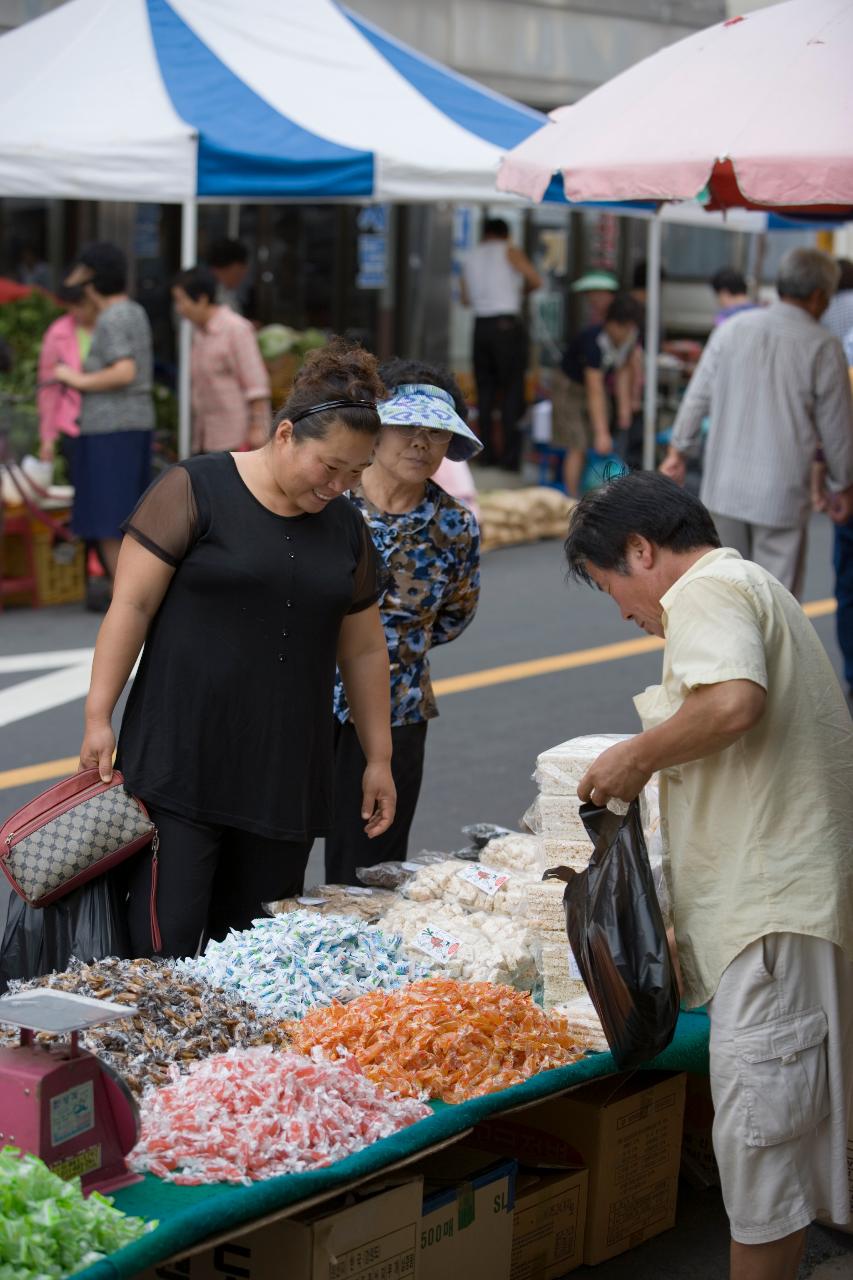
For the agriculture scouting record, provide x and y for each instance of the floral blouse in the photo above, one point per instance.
(432, 555)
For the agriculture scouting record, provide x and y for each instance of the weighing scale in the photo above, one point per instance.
(61, 1102)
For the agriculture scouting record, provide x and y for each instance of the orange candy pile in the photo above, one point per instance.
(439, 1038)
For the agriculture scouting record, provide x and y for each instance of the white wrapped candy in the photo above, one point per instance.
(472, 885)
(491, 947)
(515, 852)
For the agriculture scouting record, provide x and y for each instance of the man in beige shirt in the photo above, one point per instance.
(753, 742)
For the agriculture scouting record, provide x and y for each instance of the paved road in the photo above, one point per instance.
(482, 748)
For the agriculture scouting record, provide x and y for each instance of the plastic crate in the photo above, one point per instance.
(60, 579)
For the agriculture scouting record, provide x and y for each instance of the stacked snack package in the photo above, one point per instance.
(554, 817)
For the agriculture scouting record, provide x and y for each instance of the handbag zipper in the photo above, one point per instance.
(37, 823)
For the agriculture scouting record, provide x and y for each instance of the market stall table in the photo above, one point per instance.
(192, 1216)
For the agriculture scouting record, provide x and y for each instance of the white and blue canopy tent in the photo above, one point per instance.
(193, 100)
(189, 100)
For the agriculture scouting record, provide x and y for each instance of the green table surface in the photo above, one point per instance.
(189, 1215)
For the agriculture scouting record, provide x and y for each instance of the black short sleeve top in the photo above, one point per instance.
(230, 716)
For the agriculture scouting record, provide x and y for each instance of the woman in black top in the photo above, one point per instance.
(248, 577)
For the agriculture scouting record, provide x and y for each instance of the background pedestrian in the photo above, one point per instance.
(112, 456)
(230, 383)
(496, 276)
(776, 386)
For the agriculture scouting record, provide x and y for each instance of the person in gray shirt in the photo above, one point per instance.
(775, 384)
(111, 459)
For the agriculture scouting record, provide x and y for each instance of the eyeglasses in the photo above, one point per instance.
(433, 435)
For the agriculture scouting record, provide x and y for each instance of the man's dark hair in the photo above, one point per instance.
(640, 276)
(70, 294)
(644, 503)
(496, 229)
(108, 266)
(398, 372)
(728, 279)
(846, 281)
(197, 283)
(224, 253)
(624, 310)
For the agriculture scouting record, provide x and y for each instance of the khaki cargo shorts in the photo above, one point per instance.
(570, 424)
(782, 1080)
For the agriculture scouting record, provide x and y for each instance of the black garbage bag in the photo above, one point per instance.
(618, 937)
(88, 923)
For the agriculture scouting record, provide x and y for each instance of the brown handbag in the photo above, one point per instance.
(79, 828)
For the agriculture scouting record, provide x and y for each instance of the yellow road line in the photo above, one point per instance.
(38, 772)
(450, 684)
(546, 666)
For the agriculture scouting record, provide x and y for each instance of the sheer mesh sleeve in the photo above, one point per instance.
(371, 575)
(165, 520)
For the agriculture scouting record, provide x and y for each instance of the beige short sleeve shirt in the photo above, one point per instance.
(757, 838)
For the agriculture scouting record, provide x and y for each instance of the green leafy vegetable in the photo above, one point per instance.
(48, 1229)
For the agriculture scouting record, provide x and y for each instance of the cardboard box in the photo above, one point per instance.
(375, 1238)
(627, 1131)
(549, 1223)
(698, 1162)
(467, 1220)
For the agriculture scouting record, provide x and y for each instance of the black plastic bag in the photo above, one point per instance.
(89, 923)
(618, 937)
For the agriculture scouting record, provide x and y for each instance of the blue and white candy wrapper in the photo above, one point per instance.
(291, 963)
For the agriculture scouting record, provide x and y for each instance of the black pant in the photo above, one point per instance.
(500, 361)
(348, 847)
(209, 879)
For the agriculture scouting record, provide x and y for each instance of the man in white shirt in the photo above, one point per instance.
(775, 384)
(753, 743)
(496, 276)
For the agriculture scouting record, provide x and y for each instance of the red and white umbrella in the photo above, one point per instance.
(758, 110)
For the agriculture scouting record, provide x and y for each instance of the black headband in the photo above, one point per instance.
(333, 404)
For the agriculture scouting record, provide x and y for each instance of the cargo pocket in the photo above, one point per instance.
(782, 1072)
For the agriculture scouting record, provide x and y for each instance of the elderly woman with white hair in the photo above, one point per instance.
(775, 384)
(430, 545)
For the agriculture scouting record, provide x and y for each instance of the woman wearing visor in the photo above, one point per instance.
(430, 544)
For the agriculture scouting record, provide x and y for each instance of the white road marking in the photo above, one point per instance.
(47, 661)
(44, 692)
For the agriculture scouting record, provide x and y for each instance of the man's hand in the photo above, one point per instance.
(840, 506)
(674, 465)
(614, 774)
(603, 443)
(379, 799)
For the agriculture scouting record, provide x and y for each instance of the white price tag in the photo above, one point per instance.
(436, 943)
(311, 902)
(357, 892)
(574, 971)
(413, 866)
(484, 878)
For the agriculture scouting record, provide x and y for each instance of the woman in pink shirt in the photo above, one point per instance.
(66, 341)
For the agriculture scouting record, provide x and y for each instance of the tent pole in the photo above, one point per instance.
(650, 405)
(189, 236)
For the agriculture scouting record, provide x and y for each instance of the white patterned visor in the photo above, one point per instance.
(418, 404)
